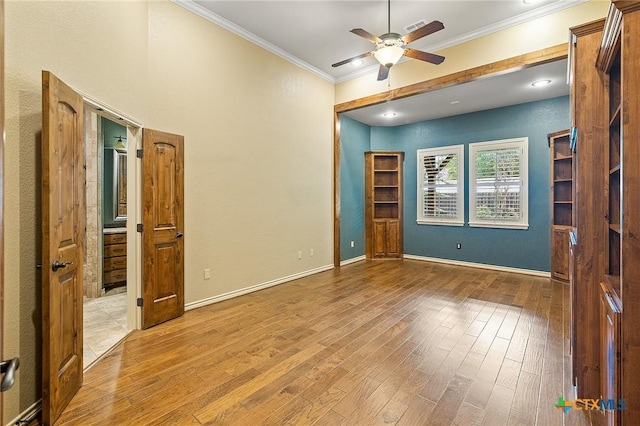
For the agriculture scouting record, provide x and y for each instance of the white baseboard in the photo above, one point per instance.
(251, 289)
(353, 260)
(28, 414)
(480, 265)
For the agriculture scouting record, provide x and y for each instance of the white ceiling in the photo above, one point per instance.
(492, 92)
(315, 34)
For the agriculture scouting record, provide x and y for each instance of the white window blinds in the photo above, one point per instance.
(440, 185)
(498, 184)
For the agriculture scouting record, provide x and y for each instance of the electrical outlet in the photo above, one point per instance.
(311, 252)
(353, 244)
(459, 246)
(207, 274)
(299, 255)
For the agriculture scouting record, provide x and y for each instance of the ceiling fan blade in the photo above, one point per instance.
(424, 56)
(383, 73)
(366, 34)
(430, 28)
(346, 61)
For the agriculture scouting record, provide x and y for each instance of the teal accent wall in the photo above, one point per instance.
(525, 249)
(354, 142)
(111, 131)
(383, 139)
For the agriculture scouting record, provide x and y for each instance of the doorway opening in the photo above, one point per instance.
(109, 290)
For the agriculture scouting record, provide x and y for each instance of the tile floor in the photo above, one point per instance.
(105, 324)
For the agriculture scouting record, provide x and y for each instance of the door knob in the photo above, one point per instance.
(179, 235)
(57, 265)
(8, 368)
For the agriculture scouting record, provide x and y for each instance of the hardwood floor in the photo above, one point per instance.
(388, 342)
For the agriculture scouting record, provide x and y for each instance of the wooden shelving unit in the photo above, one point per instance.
(610, 287)
(561, 202)
(383, 206)
(619, 59)
(588, 106)
(613, 143)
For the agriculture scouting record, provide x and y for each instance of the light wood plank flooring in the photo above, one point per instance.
(389, 342)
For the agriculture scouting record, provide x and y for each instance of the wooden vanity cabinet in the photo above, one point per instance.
(115, 260)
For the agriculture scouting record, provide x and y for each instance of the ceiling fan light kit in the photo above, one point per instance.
(389, 55)
(391, 47)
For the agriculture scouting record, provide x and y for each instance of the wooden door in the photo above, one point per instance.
(379, 238)
(393, 238)
(386, 238)
(163, 225)
(62, 244)
(560, 253)
(609, 355)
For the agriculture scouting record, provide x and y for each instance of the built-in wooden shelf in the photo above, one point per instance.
(383, 207)
(562, 202)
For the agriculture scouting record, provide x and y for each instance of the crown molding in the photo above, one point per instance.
(191, 6)
(508, 23)
(489, 29)
(554, 7)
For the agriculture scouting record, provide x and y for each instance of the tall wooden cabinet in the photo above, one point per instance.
(383, 204)
(561, 202)
(605, 93)
(619, 60)
(588, 99)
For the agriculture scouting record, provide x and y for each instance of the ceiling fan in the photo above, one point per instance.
(390, 47)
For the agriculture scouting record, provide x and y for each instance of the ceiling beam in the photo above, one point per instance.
(505, 66)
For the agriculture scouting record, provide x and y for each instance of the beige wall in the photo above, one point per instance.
(258, 138)
(540, 33)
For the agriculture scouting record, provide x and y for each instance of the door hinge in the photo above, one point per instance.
(139, 153)
(139, 301)
(139, 227)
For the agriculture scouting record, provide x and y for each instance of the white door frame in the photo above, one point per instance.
(134, 204)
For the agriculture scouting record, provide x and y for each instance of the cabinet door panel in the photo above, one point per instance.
(379, 238)
(393, 238)
(560, 254)
(609, 354)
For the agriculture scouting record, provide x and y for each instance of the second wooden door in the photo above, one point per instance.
(163, 227)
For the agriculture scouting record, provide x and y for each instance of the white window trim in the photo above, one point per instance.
(444, 150)
(523, 145)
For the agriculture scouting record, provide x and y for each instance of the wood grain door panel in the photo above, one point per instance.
(609, 353)
(379, 238)
(386, 239)
(560, 254)
(63, 243)
(393, 238)
(163, 224)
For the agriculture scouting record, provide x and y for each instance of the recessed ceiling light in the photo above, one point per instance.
(357, 62)
(455, 102)
(541, 83)
(389, 114)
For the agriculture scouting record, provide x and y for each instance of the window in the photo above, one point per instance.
(498, 184)
(440, 185)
